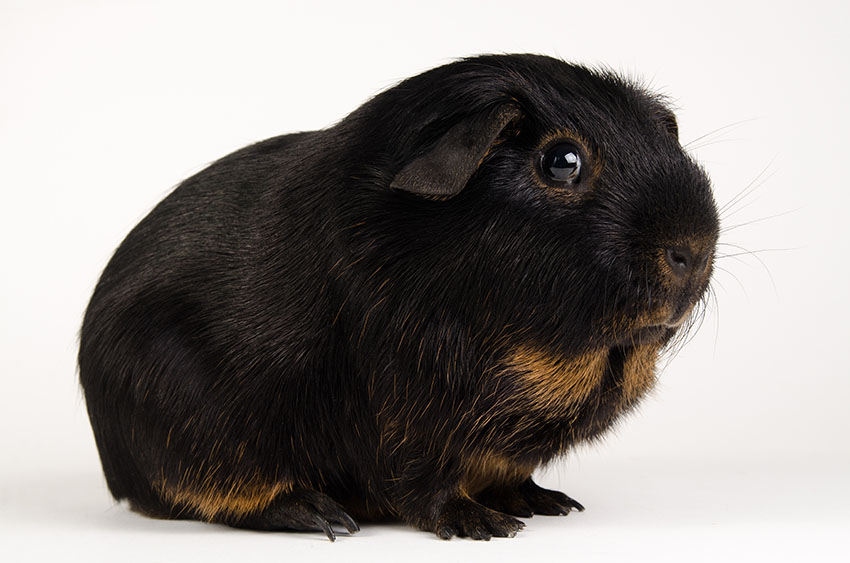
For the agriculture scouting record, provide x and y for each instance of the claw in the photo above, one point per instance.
(446, 532)
(325, 526)
(575, 504)
(349, 523)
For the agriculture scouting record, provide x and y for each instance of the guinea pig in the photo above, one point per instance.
(403, 315)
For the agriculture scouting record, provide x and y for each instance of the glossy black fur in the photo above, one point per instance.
(286, 316)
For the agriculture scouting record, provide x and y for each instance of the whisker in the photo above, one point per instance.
(693, 323)
(710, 143)
(718, 130)
(733, 212)
(725, 230)
(755, 254)
(725, 271)
(736, 258)
(675, 346)
(687, 332)
(715, 281)
(606, 307)
(699, 320)
(712, 295)
(754, 184)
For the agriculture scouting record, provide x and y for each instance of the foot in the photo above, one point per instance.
(303, 510)
(464, 517)
(527, 499)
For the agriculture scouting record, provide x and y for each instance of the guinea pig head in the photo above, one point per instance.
(555, 199)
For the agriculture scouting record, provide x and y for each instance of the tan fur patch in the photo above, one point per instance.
(639, 371)
(554, 386)
(552, 383)
(229, 498)
(492, 469)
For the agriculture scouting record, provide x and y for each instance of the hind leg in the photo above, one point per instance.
(299, 509)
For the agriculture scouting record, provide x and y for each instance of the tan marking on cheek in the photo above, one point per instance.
(489, 469)
(231, 497)
(552, 383)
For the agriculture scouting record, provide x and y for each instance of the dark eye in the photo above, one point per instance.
(562, 163)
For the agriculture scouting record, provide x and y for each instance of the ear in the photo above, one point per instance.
(446, 168)
(669, 123)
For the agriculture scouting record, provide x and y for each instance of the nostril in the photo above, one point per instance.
(680, 259)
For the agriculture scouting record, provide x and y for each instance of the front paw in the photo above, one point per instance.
(507, 500)
(547, 502)
(527, 499)
(463, 517)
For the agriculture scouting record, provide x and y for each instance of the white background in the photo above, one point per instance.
(742, 452)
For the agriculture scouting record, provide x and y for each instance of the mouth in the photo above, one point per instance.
(679, 316)
(648, 335)
(652, 328)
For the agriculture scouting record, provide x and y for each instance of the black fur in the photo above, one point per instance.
(399, 316)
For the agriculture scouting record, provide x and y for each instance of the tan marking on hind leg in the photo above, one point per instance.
(229, 498)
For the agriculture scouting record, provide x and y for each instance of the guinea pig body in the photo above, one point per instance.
(403, 315)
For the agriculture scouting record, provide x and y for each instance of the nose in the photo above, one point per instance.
(684, 262)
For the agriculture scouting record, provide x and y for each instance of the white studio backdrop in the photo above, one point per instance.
(742, 450)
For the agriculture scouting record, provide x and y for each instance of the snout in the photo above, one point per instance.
(685, 268)
(684, 262)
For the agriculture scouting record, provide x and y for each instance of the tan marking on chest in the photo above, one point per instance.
(553, 383)
(639, 371)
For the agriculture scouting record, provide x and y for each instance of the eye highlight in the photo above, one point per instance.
(561, 163)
